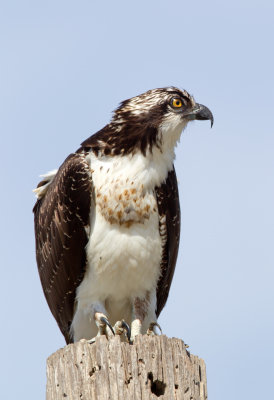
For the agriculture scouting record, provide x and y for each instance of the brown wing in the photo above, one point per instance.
(169, 211)
(60, 219)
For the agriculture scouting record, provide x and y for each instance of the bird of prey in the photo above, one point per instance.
(107, 222)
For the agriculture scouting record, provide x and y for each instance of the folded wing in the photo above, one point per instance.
(62, 218)
(169, 213)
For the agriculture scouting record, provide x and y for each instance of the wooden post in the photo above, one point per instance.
(153, 367)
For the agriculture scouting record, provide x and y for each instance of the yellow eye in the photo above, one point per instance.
(176, 102)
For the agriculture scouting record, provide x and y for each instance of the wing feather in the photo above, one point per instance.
(60, 218)
(169, 212)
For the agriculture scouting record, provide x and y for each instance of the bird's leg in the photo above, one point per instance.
(139, 313)
(143, 309)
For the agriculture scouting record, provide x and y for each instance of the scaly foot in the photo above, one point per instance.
(104, 327)
(121, 327)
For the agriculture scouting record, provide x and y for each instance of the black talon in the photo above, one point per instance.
(127, 328)
(105, 321)
(151, 326)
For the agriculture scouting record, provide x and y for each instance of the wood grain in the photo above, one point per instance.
(153, 367)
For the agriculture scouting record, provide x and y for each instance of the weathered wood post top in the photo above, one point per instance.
(153, 367)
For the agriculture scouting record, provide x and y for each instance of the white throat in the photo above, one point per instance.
(151, 169)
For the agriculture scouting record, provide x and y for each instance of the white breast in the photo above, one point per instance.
(122, 262)
(123, 256)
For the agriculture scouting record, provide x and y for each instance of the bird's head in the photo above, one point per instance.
(154, 118)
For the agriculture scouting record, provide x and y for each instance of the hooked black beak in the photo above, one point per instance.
(200, 112)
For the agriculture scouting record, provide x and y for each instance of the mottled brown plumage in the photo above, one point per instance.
(60, 220)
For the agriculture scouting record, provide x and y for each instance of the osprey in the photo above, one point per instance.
(107, 222)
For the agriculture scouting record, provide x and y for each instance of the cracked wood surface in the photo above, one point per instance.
(153, 367)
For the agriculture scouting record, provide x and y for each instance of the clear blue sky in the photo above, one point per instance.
(65, 65)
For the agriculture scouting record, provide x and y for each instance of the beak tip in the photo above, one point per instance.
(204, 113)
